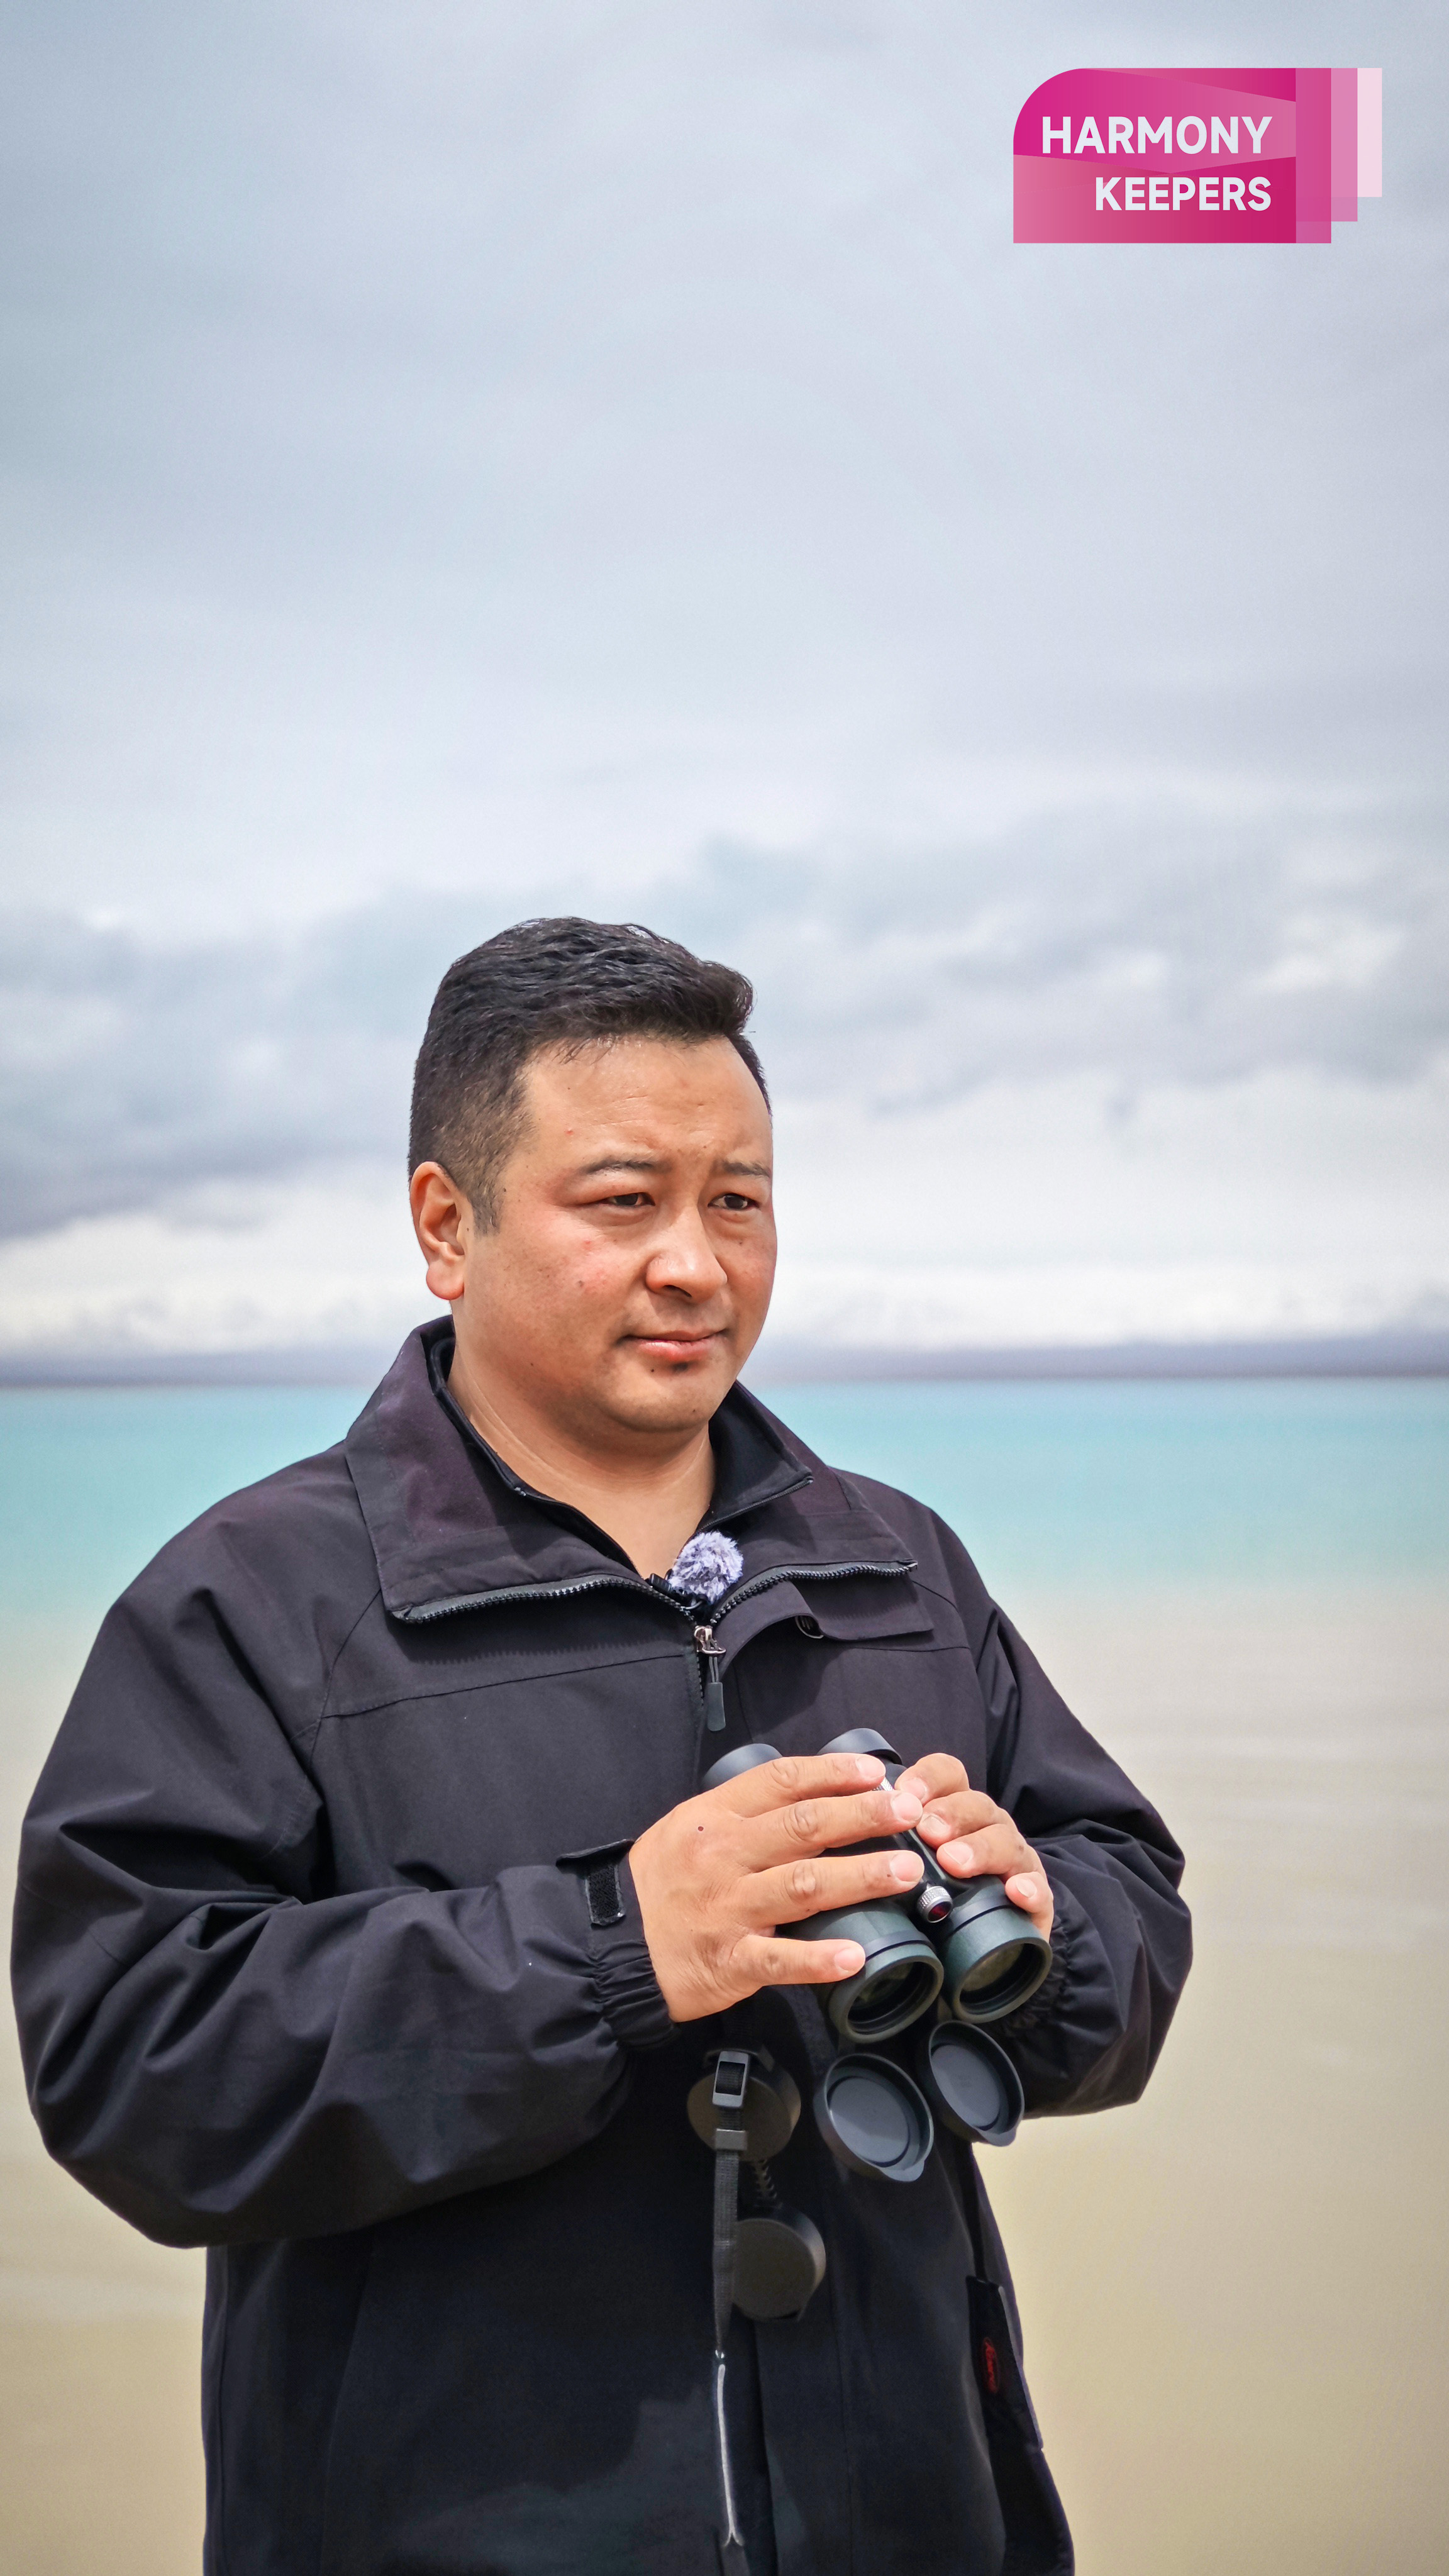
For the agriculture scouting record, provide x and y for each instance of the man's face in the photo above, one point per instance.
(629, 1273)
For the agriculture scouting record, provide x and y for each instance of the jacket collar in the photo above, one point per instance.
(451, 1526)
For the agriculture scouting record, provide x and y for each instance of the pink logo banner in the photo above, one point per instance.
(1197, 156)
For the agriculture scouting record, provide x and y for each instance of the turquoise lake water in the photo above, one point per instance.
(1140, 1485)
(1203, 2274)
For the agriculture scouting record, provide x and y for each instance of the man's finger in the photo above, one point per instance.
(824, 1824)
(805, 1887)
(993, 1851)
(965, 1812)
(1028, 1889)
(936, 1775)
(798, 1775)
(797, 1963)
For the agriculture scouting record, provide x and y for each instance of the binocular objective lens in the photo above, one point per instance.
(1000, 1969)
(888, 2002)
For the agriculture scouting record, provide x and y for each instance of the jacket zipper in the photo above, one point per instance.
(709, 1663)
(520, 1592)
(635, 1583)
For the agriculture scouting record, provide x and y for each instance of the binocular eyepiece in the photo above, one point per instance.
(957, 1940)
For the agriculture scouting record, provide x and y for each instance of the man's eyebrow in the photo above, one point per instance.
(658, 1163)
(620, 1163)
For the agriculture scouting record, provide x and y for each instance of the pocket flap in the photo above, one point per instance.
(841, 1610)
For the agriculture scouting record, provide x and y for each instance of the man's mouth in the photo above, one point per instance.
(679, 1345)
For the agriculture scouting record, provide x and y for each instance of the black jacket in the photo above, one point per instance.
(306, 1974)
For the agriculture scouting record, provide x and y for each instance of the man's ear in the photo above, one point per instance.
(443, 1224)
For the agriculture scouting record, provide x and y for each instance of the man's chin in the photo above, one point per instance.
(649, 1393)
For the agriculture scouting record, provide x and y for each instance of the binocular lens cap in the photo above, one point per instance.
(767, 2114)
(874, 2118)
(779, 2264)
(971, 2084)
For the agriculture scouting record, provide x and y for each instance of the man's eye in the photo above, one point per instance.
(735, 1201)
(627, 1199)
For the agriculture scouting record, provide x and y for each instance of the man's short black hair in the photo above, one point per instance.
(562, 983)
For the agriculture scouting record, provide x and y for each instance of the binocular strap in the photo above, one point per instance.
(732, 2559)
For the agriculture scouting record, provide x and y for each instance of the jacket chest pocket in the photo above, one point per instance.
(819, 1672)
(450, 1788)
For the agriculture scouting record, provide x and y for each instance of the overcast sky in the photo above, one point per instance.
(474, 460)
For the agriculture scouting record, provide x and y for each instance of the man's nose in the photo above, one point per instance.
(684, 1260)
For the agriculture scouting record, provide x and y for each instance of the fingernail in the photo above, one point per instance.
(849, 1959)
(911, 1785)
(905, 1809)
(905, 1869)
(868, 1769)
(957, 1856)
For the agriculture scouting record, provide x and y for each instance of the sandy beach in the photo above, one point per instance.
(1233, 2293)
(100, 2442)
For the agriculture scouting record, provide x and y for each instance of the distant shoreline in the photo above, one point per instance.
(1397, 1354)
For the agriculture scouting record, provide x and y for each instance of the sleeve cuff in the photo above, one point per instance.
(629, 1993)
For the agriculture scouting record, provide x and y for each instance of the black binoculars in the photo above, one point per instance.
(957, 1941)
(958, 1950)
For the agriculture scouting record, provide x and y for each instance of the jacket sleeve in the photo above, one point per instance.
(223, 2054)
(1122, 1937)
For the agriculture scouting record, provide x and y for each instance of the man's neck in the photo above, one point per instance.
(649, 1495)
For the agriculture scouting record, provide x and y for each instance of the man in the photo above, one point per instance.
(374, 1928)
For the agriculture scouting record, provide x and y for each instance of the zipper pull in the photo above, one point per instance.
(709, 1656)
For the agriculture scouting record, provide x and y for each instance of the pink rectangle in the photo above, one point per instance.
(1060, 201)
(1344, 162)
(1370, 134)
(1141, 155)
(1314, 166)
(1155, 96)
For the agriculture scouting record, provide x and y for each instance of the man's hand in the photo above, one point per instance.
(974, 1838)
(715, 1876)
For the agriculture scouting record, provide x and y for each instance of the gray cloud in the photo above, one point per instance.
(1140, 945)
(475, 460)
(415, 413)
(1148, 946)
(130, 1075)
